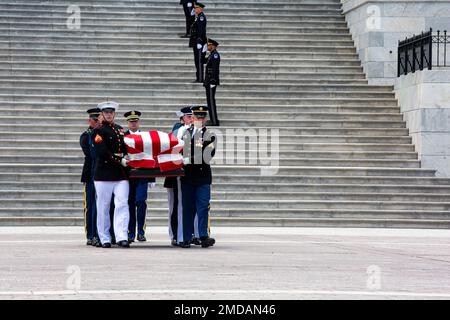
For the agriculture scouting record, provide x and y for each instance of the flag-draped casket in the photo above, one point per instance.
(154, 154)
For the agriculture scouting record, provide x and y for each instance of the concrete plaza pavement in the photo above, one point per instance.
(245, 263)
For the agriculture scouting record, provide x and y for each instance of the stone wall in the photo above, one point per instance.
(377, 25)
(424, 99)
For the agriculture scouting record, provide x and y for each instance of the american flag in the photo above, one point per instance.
(154, 149)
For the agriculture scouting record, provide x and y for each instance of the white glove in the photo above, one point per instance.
(152, 185)
(212, 85)
(199, 46)
(124, 162)
(189, 5)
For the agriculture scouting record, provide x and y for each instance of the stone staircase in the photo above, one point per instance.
(345, 155)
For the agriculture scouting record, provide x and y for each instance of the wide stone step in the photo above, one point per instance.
(295, 92)
(25, 139)
(286, 149)
(306, 160)
(226, 41)
(360, 222)
(63, 130)
(74, 117)
(258, 204)
(332, 178)
(176, 53)
(156, 2)
(213, 8)
(162, 8)
(242, 100)
(14, 122)
(181, 61)
(226, 111)
(257, 171)
(175, 28)
(17, 33)
(170, 66)
(229, 80)
(256, 25)
(161, 196)
(110, 74)
(56, 188)
(176, 18)
(322, 46)
(226, 87)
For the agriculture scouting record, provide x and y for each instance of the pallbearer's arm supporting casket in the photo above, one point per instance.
(154, 154)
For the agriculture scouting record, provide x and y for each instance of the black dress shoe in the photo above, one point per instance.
(130, 240)
(123, 244)
(196, 241)
(185, 244)
(89, 242)
(174, 243)
(207, 242)
(141, 238)
(95, 242)
(106, 245)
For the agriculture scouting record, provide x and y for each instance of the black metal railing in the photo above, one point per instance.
(441, 39)
(416, 53)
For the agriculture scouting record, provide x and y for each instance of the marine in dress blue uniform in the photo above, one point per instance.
(137, 199)
(212, 80)
(87, 177)
(196, 183)
(111, 177)
(198, 41)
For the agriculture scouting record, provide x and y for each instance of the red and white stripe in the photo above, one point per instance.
(154, 149)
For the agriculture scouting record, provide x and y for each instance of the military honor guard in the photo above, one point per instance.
(198, 40)
(87, 177)
(111, 177)
(212, 81)
(189, 13)
(173, 184)
(196, 183)
(137, 199)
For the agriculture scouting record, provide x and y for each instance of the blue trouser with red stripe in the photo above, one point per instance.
(90, 211)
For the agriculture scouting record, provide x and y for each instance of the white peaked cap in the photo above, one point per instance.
(108, 105)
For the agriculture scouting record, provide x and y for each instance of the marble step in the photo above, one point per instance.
(13, 189)
(248, 170)
(360, 222)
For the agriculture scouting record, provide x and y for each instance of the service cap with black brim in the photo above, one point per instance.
(213, 42)
(94, 113)
(132, 115)
(108, 106)
(200, 111)
(186, 111)
(199, 5)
